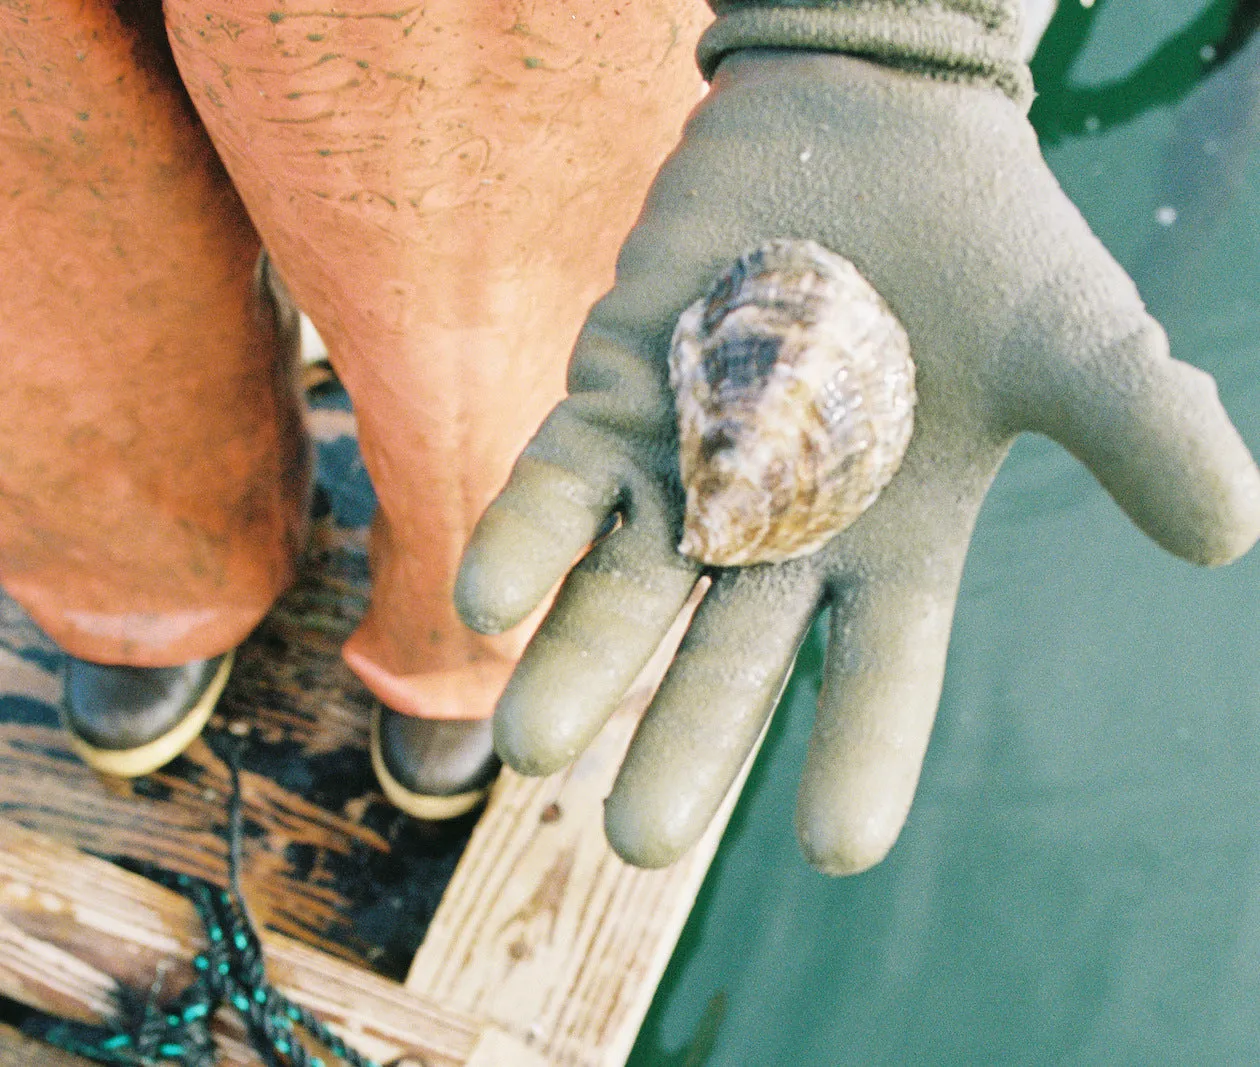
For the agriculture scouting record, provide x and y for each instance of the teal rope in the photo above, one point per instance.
(230, 972)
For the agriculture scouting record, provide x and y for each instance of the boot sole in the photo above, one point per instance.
(147, 758)
(423, 806)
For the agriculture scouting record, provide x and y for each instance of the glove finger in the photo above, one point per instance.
(881, 684)
(544, 519)
(1154, 433)
(710, 710)
(892, 594)
(609, 617)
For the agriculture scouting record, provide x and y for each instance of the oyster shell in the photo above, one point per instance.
(795, 399)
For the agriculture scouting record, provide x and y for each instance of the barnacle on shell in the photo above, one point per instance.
(795, 398)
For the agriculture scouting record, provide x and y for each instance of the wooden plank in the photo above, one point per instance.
(543, 930)
(497, 1049)
(73, 929)
(546, 948)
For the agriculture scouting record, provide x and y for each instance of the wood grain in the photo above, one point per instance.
(543, 930)
(74, 929)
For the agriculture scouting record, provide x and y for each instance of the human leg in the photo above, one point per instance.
(444, 188)
(153, 470)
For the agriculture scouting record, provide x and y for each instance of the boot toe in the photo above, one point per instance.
(129, 721)
(433, 768)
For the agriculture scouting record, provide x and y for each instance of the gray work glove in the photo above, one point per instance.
(1018, 320)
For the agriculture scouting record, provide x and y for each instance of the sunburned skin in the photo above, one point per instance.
(444, 188)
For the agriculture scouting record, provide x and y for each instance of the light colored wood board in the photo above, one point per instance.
(73, 928)
(17, 1050)
(497, 1049)
(543, 930)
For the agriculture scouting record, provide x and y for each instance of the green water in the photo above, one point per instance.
(1079, 881)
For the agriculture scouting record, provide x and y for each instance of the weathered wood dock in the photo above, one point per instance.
(512, 939)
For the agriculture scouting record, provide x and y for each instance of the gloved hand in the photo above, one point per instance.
(1018, 321)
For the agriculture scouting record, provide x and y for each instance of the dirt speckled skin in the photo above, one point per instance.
(153, 472)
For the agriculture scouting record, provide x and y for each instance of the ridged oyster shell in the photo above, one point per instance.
(795, 399)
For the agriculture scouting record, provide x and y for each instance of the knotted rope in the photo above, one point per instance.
(229, 972)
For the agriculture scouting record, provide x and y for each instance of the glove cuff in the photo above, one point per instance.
(974, 41)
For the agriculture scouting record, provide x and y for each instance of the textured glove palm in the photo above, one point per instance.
(1018, 320)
